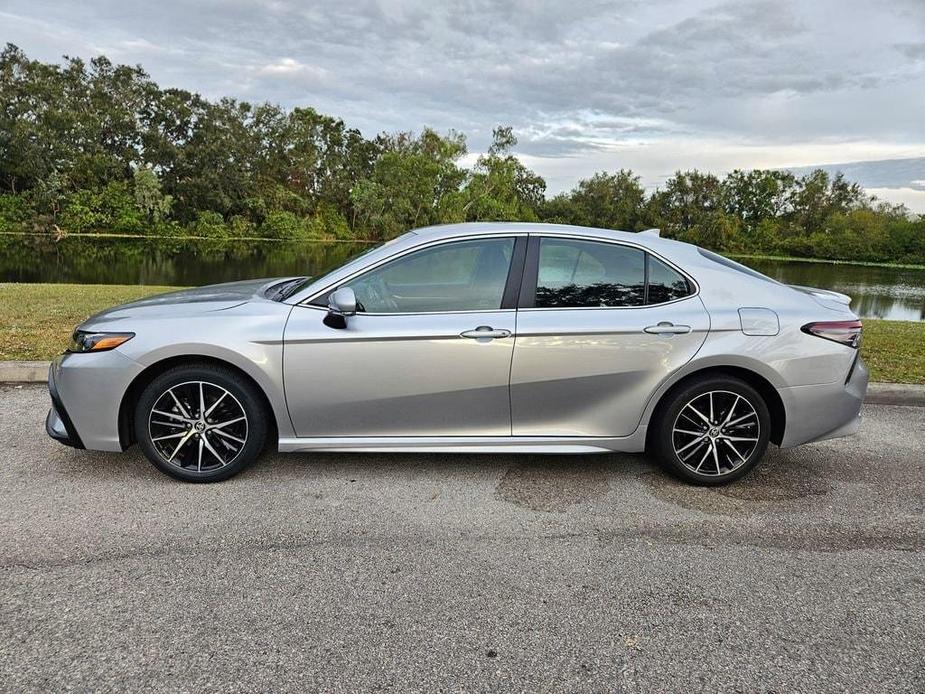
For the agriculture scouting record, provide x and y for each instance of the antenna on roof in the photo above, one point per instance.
(652, 232)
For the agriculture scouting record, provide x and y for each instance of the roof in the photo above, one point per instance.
(475, 228)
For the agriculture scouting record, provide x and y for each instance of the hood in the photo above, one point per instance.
(213, 297)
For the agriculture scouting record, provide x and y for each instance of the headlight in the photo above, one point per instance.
(85, 341)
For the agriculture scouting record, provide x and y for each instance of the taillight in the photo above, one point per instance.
(847, 332)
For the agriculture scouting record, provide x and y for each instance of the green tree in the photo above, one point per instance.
(757, 195)
(91, 145)
(324, 160)
(149, 199)
(500, 187)
(414, 182)
(817, 196)
(690, 208)
(607, 201)
(215, 171)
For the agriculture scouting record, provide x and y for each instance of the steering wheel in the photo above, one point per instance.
(380, 294)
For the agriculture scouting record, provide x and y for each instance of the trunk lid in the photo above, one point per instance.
(835, 301)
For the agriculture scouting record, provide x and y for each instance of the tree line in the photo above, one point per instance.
(98, 147)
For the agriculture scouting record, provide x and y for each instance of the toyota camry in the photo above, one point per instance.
(474, 338)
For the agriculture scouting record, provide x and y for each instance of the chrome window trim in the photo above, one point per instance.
(511, 234)
(436, 242)
(628, 244)
(416, 313)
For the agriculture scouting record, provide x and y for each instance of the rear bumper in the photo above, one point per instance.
(826, 411)
(58, 424)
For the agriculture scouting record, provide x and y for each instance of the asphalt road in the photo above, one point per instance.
(411, 572)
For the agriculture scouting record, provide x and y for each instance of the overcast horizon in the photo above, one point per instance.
(587, 86)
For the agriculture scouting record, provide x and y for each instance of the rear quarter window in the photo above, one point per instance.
(665, 283)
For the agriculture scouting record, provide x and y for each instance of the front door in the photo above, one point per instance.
(601, 326)
(427, 354)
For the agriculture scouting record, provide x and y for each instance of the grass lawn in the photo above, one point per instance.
(39, 319)
(894, 350)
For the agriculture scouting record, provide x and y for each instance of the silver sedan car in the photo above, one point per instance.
(475, 338)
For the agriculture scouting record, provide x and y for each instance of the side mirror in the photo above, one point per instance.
(341, 304)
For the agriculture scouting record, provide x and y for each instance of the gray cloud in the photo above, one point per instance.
(889, 173)
(589, 79)
(912, 50)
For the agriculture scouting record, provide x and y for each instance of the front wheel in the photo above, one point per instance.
(200, 423)
(712, 431)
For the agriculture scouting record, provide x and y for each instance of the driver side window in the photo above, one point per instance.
(459, 276)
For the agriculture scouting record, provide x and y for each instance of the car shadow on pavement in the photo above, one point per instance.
(538, 482)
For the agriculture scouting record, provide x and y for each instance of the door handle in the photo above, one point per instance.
(667, 328)
(485, 332)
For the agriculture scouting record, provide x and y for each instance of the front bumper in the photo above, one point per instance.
(86, 395)
(827, 411)
(58, 424)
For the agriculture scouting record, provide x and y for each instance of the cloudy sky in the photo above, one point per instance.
(652, 85)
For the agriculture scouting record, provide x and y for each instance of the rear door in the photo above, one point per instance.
(600, 325)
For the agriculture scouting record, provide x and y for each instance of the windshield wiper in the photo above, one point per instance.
(286, 289)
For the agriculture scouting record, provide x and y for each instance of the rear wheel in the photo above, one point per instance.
(712, 431)
(200, 423)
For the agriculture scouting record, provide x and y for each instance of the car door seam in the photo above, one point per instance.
(282, 378)
(510, 373)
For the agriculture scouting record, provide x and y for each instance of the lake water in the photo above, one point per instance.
(877, 292)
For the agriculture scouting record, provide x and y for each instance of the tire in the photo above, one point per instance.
(192, 448)
(720, 453)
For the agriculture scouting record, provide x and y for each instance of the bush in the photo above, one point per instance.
(109, 209)
(209, 225)
(906, 240)
(242, 227)
(327, 222)
(170, 229)
(280, 224)
(81, 212)
(14, 211)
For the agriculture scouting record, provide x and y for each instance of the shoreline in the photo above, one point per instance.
(824, 261)
(156, 237)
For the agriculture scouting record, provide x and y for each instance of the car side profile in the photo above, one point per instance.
(488, 337)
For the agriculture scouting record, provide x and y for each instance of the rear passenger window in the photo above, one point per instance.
(586, 274)
(665, 284)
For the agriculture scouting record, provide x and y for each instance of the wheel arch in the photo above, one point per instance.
(765, 388)
(152, 371)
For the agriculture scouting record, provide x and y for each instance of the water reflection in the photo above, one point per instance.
(163, 261)
(876, 292)
(594, 295)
